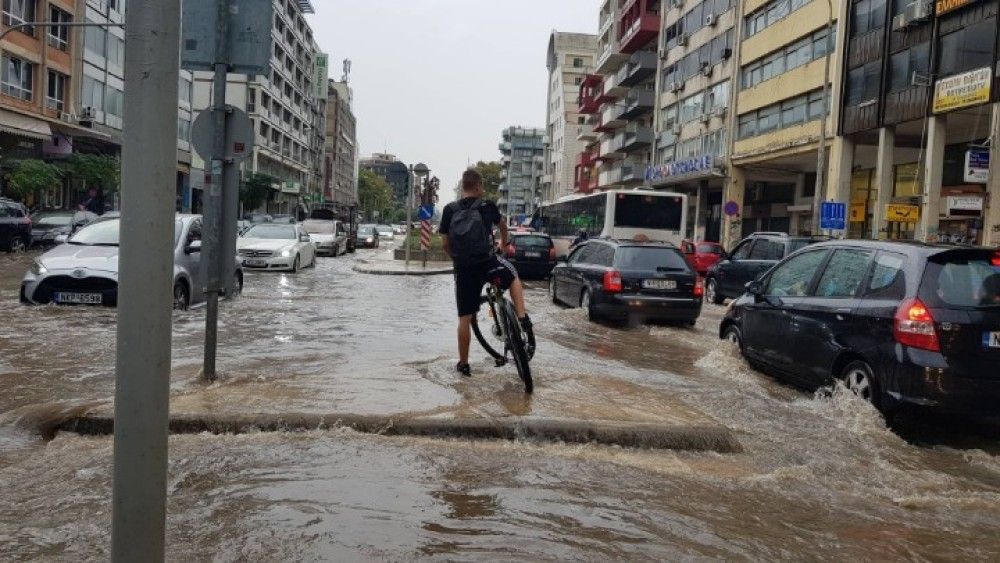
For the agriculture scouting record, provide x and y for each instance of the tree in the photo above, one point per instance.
(98, 171)
(490, 171)
(32, 175)
(254, 189)
(374, 194)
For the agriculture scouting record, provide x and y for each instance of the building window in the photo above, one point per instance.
(578, 80)
(793, 111)
(17, 79)
(968, 48)
(114, 101)
(116, 51)
(58, 36)
(717, 96)
(792, 56)
(16, 12)
(769, 14)
(906, 180)
(94, 40)
(866, 16)
(184, 90)
(577, 63)
(183, 129)
(863, 83)
(93, 94)
(902, 66)
(692, 107)
(55, 95)
(713, 52)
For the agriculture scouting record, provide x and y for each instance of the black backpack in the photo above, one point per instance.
(468, 235)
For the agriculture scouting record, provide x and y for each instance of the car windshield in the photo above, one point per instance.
(366, 230)
(52, 219)
(650, 258)
(962, 278)
(101, 233)
(533, 241)
(271, 231)
(318, 227)
(706, 248)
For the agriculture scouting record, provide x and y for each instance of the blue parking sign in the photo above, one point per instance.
(426, 212)
(833, 216)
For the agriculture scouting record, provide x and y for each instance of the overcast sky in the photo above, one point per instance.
(438, 80)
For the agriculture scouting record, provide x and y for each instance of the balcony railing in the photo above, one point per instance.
(639, 24)
(638, 102)
(641, 65)
(637, 138)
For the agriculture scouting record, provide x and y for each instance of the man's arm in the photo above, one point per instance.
(445, 245)
(504, 233)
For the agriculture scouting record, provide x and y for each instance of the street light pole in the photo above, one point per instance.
(819, 193)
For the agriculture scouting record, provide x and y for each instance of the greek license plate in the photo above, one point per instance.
(254, 263)
(659, 284)
(991, 339)
(81, 298)
(532, 254)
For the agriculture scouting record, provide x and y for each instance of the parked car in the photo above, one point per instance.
(15, 226)
(242, 226)
(48, 225)
(532, 254)
(899, 323)
(283, 219)
(626, 280)
(275, 246)
(84, 271)
(258, 218)
(367, 237)
(385, 232)
(702, 255)
(329, 236)
(750, 258)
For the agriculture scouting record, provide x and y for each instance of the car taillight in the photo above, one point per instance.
(509, 251)
(996, 259)
(612, 281)
(552, 254)
(914, 326)
(699, 287)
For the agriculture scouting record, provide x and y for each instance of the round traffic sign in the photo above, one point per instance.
(731, 208)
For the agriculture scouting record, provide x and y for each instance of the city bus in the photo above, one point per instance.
(618, 214)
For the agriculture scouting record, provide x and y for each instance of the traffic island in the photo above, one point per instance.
(397, 268)
(642, 435)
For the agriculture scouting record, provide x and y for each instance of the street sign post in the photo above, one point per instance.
(833, 216)
(426, 212)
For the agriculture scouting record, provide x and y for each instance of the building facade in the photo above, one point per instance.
(522, 159)
(570, 58)
(340, 155)
(390, 169)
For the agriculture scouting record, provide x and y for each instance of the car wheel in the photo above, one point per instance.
(733, 335)
(17, 245)
(182, 298)
(295, 264)
(712, 293)
(552, 289)
(859, 378)
(587, 303)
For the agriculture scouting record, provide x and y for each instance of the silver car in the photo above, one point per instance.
(84, 270)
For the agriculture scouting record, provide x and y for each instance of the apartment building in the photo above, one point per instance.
(787, 53)
(917, 116)
(390, 169)
(340, 154)
(570, 56)
(620, 97)
(696, 69)
(522, 160)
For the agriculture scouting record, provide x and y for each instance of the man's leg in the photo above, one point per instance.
(517, 296)
(464, 338)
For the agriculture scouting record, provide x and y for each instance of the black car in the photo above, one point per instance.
(750, 258)
(367, 237)
(623, 280)
(899, 323)
(15, 226)
(46, 226)
(532, 254)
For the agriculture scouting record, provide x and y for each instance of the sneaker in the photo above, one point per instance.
(526, 325)
(464, 369)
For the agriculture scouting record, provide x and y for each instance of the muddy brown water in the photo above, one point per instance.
(820, 478)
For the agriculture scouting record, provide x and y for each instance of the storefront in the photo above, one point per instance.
(701, 178)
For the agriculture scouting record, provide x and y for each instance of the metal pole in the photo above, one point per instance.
(409, 217)
(142, 366)
(820, 192)
(212, 219)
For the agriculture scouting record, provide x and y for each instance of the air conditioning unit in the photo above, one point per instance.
(88, 113)
(706, 68)
(67, 117)
(918, 11)
(726, 53)
(918, 78)
(710, 20)
(682, 39)
(676, 86)
(899, 22)
(720, 111)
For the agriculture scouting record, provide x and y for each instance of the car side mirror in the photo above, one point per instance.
(193, 247)
(755, 288)
(61, 239)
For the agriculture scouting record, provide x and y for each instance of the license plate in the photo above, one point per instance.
(532, 254)
(254, 263)
(80, 298)
(659, 284)
(991, 339)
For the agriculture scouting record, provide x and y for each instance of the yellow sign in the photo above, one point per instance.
(902, 213)
(962, 90)
(857, 212)
(945, 6)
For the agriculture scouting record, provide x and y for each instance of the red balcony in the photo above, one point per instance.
(591, 94)
(586, 180)
(587, 158)
(638, 24)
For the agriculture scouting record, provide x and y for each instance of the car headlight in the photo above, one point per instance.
(38, 268)
(286, 253)
(369, 239)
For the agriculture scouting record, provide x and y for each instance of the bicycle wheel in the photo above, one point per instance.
(517, 348)
(491, 339)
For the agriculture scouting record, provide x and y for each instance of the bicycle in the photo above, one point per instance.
(505, 333)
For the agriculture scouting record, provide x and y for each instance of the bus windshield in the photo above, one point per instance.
(642, 211)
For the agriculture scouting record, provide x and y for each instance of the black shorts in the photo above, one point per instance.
(469, 282)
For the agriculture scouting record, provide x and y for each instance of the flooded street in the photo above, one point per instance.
(818, 477)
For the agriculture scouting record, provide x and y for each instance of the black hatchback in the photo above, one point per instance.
(898, 323)
(15, 226)
(619, 280)
(532, 254)
(750, 258)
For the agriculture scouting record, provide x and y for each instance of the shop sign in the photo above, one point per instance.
(965, 203)
(322, 76)
(290, 187)
(703, 163)
(945, 6)
(902, 213)
(962, 90)
(977, 166)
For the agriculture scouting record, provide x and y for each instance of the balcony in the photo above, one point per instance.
(641, 65)
(610, 119)
(609, 58)
(639, 24)
(585, 180)
(634, 172)
(637, 103)
(637, 138)
(504, 147)
(591, 94)
(585, 133)
(609, 178)
(611, 149)
(587, 159)
(613, 89)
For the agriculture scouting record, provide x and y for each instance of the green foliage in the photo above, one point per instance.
(375, 194)
(32, 175)
(414, 240)
(98, 171)
(491, 178)
(254, 189)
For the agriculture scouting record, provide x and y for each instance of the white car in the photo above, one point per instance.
(385, 232)
(329, 236)
(272, 246)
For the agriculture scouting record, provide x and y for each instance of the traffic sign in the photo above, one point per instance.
(249, 41)
(732, 208)
(425, 212)
(239, 134)
(833, 216)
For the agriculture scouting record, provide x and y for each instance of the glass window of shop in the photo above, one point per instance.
(863, 196)
(968, 48)
(906, 180)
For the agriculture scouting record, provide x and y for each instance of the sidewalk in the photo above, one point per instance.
(389, 267)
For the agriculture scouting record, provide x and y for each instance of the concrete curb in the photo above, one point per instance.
(630, 435)
(375, 270)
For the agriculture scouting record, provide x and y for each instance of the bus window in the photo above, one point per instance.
(639, 211)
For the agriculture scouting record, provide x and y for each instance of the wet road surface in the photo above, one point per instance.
(819, 477)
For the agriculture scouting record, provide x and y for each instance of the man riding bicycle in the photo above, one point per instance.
(467, 234)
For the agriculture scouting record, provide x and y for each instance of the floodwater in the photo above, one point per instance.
(819, 477)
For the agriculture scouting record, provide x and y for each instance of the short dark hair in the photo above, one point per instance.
(471, 179)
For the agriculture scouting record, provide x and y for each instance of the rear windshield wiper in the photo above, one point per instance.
(668, 269)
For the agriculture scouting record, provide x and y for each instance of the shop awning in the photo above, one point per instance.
(24, 126)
